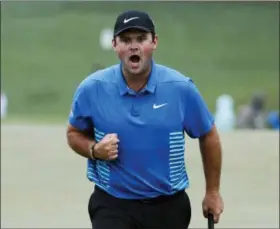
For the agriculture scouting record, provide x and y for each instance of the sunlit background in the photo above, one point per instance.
(229, 49)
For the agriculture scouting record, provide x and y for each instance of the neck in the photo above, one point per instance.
(137, 81)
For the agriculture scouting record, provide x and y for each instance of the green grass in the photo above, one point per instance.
(47, 48)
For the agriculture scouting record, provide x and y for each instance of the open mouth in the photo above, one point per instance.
(134, 59)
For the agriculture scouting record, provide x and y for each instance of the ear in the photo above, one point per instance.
(114, 44)
(155, 42)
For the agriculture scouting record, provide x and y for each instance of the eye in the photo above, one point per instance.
(125, 39)
(141, 39)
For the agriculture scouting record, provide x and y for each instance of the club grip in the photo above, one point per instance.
(210, 221)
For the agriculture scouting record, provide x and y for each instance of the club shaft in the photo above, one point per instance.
(210, 221)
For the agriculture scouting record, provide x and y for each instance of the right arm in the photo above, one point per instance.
(80, 136)
(80, 128)
(80, 141)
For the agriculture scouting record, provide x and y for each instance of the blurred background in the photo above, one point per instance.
(230, 49)
(47, 48)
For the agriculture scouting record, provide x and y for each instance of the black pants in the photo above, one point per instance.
(164, 212)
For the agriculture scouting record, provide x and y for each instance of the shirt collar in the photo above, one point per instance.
(123, 87)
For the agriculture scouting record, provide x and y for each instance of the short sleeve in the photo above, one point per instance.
(80, 116)
(198, 120)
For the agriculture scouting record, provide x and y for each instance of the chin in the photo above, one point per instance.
(136, 71)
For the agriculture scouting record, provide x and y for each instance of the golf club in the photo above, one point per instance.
(210, 221)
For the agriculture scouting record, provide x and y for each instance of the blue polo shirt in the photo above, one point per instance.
(150, 125)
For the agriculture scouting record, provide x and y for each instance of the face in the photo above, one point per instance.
(135, 48)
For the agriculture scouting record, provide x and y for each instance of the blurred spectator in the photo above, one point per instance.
(225, 116)
(105, 39)
(253, 116)
(4, 105)
(273, 120)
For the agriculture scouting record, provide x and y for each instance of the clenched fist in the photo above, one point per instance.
(107, 148)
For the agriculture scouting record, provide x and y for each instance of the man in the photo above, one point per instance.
(129, 121)
(252, 116)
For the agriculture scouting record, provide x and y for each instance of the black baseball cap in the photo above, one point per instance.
(133, 19)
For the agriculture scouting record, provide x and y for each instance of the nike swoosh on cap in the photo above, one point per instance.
(130, 19)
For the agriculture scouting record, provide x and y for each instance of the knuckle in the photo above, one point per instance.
(108, 136)
(116, 140)
(114, 152)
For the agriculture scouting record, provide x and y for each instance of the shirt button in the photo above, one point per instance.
(135, 111)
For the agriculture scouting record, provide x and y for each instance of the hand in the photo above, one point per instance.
(107, 148)
(214, 204)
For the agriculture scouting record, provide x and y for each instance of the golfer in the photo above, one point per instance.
(129, 120)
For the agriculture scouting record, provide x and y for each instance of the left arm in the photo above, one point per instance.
(210, 148)
(199, 123)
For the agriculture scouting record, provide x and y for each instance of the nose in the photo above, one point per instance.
(134, 46)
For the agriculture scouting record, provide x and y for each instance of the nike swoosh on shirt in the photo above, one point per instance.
(159, 106)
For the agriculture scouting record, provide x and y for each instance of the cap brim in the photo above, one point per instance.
(142, 28)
